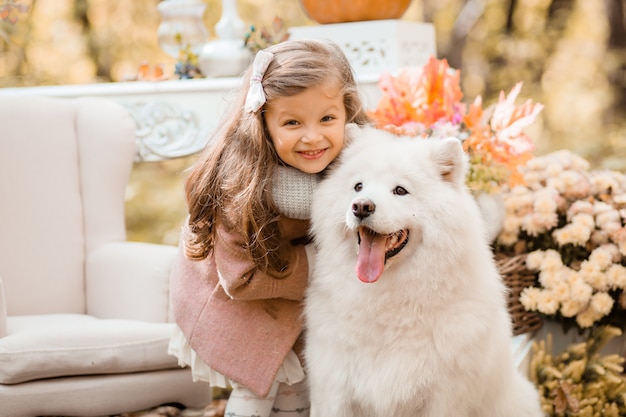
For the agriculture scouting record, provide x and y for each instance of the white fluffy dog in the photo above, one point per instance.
(406, 313)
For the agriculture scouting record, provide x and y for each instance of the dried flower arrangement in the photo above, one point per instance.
(570, 221)
(580, 381)
(426, 101)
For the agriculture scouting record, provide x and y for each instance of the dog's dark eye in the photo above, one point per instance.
(400, 191)
(358, 187)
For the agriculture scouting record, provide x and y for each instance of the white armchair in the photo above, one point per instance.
(83, 313)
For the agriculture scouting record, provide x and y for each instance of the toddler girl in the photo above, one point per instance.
(238, 285)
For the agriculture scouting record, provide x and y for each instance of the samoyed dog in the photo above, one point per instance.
(406, 313)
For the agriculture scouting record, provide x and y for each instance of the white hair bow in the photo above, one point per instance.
(256, 96)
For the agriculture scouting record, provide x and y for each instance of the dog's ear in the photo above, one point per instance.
(451, 160)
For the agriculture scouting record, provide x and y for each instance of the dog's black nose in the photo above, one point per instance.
(363, 208)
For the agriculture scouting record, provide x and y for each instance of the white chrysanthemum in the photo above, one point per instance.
(549, 278)
(596, 279)
(579, 206)
(534, 179)
(511, 224)
(575, 233)
(519, 203)
(584, 219)
(561, 291)
(551, 261)
(546, 220)
(569, 308)
(545, 202)
(602, 256)
(536, 164)
(586, 318)
(553, 169)
(620, 199)
(571, 179)
(534, 259)
(578, 163)
(533, 224)
(556, 183)
(603, 182)
(601, 207)
(611, 227)
(602, 303)
(580, 291)
(616, 276)
(507, 238)
(608, 216)
(547, 303)
(519, 190)
(529, 298)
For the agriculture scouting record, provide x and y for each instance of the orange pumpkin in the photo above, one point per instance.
(338, 11)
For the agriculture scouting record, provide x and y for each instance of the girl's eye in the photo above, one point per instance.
(400, 191)
(327, 118)
(358, 187)
(291, 123)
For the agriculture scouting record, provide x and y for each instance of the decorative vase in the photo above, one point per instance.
(493, 213)
(181, 26)
(339, 11)
(226, 56)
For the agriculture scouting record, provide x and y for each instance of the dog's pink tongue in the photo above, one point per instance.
(371, 258)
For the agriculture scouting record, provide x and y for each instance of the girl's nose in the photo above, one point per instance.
(311, 136)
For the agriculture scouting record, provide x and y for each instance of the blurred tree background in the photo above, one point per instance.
(570, 55)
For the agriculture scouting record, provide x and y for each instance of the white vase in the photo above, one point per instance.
(181, 26)
(493, 213)
(226, 56)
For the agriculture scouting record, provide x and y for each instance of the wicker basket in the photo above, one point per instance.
(517, 277)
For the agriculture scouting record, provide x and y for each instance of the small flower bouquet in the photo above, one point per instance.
(570, 221)
(426, 101)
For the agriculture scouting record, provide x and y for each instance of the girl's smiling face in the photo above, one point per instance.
(307, 129)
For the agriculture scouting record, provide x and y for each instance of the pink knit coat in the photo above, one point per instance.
(237, 319)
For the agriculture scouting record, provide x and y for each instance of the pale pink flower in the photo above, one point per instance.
(511, 224)
(608, 216)
(549, 278)
(603, 256)
(561, 291)
(579, 206)
(584, 219)
(551, 261)
(534, 259)
(586, 318)
(529, 298)
(581, 291)
(616, 276)
(569, 308)
(508, 238)
(547, 303)
(602, 303)
(576, 233)
(545, 201)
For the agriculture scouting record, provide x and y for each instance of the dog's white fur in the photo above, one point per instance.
(431, 337)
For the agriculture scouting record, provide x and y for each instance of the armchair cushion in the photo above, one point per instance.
(52, 345)
(3, 311)
(129, 280)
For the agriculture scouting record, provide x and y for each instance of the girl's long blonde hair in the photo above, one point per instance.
(231, 181)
